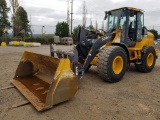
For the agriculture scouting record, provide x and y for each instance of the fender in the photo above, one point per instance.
(125, 48)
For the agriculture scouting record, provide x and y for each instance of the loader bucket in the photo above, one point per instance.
(44, 80)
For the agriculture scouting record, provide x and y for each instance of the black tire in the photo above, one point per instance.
(144, 67)
(105, 63)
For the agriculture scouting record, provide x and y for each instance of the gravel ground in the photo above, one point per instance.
(135, 97)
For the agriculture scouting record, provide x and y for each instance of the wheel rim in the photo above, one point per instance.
(150, 59)
(117, 64)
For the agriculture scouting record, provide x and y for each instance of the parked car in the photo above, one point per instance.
(158, 40)
(56, 40)
(155, 42)
(67, 41)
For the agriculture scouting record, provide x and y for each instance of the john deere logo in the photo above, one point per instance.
(106, 37)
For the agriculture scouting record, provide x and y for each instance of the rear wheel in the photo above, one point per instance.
(112, 63)
(148, 59)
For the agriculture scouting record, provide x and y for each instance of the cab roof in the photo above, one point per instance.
(129, 8)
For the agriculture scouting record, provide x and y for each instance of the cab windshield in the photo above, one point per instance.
(115, 18)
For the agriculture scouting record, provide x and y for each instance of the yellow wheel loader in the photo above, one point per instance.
(46, 81)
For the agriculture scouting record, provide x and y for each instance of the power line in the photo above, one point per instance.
(152, 26)
(44, 25)
(42, 5)
(52, 7)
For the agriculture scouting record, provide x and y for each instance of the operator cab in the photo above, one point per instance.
(130, 22)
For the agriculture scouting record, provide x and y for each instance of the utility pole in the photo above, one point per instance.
(103, 25)
(42, 30)
(31, 25)
(96, 25)
(84, 13)
(68, 12)
(14, 6)
(68, 16)
(91, 19)
(71, 15)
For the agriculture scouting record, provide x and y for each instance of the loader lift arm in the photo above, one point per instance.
(95, 46)
(85, 49)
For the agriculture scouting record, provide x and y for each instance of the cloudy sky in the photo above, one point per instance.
(48, 12)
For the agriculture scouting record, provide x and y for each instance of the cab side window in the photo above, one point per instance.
(140, 25)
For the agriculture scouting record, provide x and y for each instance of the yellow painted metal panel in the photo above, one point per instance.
(44, 80)
(3, 44)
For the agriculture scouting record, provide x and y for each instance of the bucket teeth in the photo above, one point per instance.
(40, 88)
(36, 84)
(45, 92)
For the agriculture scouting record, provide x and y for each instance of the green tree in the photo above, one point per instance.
(75, 33)
(76, 30)
(90, 27)
(21, 22)
(4, 22)
(62, 29)
(155, 33)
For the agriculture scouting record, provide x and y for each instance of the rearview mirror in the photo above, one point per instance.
(144, 31)
(106, 15)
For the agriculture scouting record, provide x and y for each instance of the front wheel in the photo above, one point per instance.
(112, 63)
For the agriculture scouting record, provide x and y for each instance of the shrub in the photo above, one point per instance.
(41, 39)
